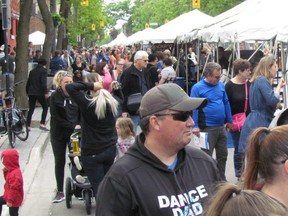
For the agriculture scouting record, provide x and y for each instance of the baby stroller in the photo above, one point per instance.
(78, 184)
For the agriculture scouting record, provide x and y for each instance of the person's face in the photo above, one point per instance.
(273, 70)
(143, 62)
(177, 128)
(118, 129)
(245, 74)
(214, 78)
(120, 65)
(65, 80)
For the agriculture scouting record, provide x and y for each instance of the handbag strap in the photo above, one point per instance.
(246, 96)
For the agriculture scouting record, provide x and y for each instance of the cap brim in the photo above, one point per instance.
(190, 104)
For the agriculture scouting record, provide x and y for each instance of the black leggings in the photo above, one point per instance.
(13, 211)
(32, 102)
(59, 150)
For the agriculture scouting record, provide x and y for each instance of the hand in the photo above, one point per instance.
(125, 114)
(46, 96)
(9, 204)
(229, 126)
(97, 86)
(281, 83)
(196, 132)
(77, 127)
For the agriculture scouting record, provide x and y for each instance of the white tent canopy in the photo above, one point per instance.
(138, 36)
(180, 25)
(250, 20)
(118, 41)
(37, 38)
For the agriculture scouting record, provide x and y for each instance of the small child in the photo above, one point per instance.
(13, 187)
(126, 135)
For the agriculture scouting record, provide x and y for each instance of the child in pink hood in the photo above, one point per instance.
(13, 187)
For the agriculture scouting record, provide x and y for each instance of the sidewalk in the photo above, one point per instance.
(31, 153)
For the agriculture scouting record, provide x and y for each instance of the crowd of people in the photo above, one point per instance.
(151, 170)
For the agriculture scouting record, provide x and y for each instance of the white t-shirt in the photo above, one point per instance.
(169, 74)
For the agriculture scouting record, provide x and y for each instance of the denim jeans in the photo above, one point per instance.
(13, 211)
(238, 156)
(136, 120)
(217, 139)
(96, 166)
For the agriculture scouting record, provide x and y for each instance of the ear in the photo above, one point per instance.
(154, 123)
(286, 167)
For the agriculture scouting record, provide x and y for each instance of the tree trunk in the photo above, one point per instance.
(62, 39)
(21, 61)
(49, 30)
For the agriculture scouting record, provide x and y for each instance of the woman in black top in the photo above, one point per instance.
(98, 133)
(235, 90)
(65, 117)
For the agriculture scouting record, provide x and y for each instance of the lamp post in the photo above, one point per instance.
(6, 26)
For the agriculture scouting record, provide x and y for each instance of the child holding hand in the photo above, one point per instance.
(126, 135)
(13, 187)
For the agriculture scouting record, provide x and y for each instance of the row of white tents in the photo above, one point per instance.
(256, 20)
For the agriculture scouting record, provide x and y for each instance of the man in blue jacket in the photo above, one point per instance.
(213, 117)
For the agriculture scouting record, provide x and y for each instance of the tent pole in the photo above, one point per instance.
(284, 74)
(186, 63)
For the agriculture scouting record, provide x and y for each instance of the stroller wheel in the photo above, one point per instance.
(87, 198)
(68, 192)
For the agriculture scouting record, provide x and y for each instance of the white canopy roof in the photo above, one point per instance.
(138, 36)
(250, 20)
(184, 23)
(119, 40)
(37, 38)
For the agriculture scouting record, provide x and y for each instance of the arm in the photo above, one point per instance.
(195, 93)
(269, 96)
(76, 89)
(15, 184)
(44, 80)
(113, 199)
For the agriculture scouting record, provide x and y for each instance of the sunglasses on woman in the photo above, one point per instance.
(180, 116)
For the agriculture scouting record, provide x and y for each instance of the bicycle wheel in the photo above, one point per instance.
(23, 133)
(11, 134)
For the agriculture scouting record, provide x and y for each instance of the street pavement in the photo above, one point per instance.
(37, 164)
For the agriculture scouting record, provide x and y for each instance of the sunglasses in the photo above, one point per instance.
(180, 116)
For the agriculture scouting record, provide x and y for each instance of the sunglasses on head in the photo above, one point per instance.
(180, 116)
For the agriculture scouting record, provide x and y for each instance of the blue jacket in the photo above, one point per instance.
(217, 111)
(263, 101)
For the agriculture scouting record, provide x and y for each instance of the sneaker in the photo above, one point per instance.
(80, 179)
(59, 197)
(44, 128)
(77, 163)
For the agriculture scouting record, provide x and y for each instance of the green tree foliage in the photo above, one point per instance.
(81, 19)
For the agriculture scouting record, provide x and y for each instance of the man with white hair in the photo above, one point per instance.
(135, 81)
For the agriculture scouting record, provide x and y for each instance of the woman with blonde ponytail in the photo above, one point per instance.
(98, 134)
(230, 200)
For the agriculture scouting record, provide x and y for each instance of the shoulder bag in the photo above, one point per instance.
(238, 119)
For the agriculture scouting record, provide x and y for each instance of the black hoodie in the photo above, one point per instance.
(140, 184)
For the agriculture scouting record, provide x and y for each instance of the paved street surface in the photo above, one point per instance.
(37, 164)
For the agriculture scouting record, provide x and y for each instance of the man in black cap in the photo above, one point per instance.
(36, 89)
(160, 174)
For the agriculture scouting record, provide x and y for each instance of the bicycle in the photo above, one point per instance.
(15, 124)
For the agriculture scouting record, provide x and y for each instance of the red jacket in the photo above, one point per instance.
(13, 187)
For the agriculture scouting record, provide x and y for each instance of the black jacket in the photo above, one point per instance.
(65, 115)
(140, 184)
(131, 84)
(37, 81)
(96, 134)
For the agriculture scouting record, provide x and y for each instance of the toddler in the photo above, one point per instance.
(13, 187)
(126, 135)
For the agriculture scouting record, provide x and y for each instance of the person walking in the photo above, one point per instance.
(134, 80)
(65, 118)
(212, 118)
(237, 90)
(13, 187)
(36, 89)
(160, 174)
(98, 134)
(263, 99)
